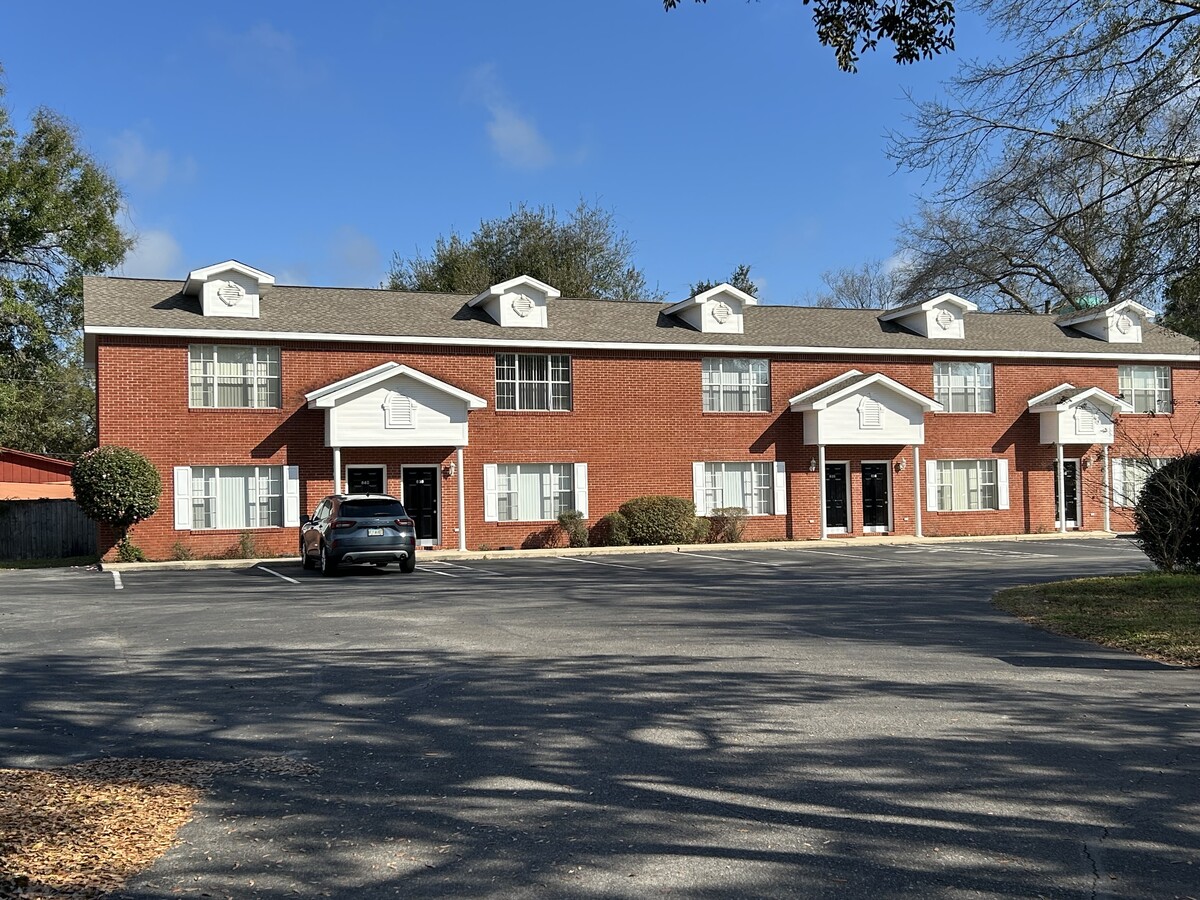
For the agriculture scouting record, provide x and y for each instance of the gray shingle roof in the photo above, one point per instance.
(128, 303)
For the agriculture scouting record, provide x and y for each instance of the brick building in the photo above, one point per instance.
(491, 414)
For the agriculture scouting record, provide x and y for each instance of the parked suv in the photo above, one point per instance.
(358, 528)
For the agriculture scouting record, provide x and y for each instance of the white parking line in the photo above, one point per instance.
(470, 568)
(278, 575)
(592, 562)
(836, 553)
(749, 562)
(117, 581)
(426, 568)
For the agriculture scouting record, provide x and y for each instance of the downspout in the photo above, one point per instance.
(1107, 492)
(917, 488)
(821, 484)
(1060, 474)
(462, 500)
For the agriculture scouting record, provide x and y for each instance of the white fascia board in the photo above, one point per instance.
(1099, 312)
(927, 403)
(328, 397)
(472, 401)
(497, 290)
(705, 296)
(1104, 398)
(1046, 402)
(1041, 398)
(925, 305)
(349, 381)
(800, 398)
(230, 265)
(411, 339)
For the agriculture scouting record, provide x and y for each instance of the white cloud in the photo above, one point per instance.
(155, 255)
(135, 164)
(515, 137)
(264, 50)
(356, 258)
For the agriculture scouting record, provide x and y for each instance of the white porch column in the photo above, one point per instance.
(337, 470)
(917, 488)
(1060, 474)
(1107, 492)
(462, 499)
(821, 483)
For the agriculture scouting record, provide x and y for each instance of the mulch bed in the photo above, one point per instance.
(82, 831)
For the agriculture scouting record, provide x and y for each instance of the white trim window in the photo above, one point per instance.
(735, 385)
(1148, 388)
(966, 484)
(1129, 477)
(533, 381)
(534, 492)
(237, 497)
(749, 485)
(964, 387)
(233, 376)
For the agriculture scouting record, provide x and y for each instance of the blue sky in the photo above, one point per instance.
(313, 140)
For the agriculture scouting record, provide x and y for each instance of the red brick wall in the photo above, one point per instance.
(637, 422)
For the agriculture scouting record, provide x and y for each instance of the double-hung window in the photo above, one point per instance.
(964, 387)
(237, 496)
(733, 484)
(1148, 388)
(538, 492)
(1129, 477)
(533, 381)
(736, 385)
(233, 376)
(964, 484)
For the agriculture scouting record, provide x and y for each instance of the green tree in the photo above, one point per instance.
(739, 278)
(918, 29)
(57, 223)
(583, 255)
(1182, 309)
(117, 487)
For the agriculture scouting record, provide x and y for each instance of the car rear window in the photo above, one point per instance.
(393, 509)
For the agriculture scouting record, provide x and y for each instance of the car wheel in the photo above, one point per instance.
(408, 564)
(305, 560)
(328, 566)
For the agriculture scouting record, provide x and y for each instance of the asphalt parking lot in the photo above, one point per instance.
(825, 722)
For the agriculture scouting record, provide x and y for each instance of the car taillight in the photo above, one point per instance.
(405, 523)
(343, 523)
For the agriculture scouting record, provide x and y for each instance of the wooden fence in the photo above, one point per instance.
(44, 529)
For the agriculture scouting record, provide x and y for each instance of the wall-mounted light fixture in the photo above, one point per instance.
(902, 465)
(448, 470)
(812, 464)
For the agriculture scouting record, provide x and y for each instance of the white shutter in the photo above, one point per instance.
(1118, 482)
(780, 486)
(581, 489)
(291, 496)
(183, 498)
(698, 488)
(491, 504)
(1002, 482)
(931, 485)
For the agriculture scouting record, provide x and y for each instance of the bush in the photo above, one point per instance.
(128, 551)
(571, 523)
(700, 535)
(116, 486)
(660, 520)
(1167, 515)
(181, 551)
(247, 547)
(611, 531)
(727, 525)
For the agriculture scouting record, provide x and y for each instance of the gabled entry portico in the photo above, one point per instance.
(393, 405)
(856, 409)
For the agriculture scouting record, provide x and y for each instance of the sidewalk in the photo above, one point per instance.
(603, 551)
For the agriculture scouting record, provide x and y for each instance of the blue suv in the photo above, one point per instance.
(358, 528)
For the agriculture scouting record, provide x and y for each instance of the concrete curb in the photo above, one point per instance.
(191, 564)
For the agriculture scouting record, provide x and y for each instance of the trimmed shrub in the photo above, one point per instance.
(611, 531)
(728, 525)
(658, 519)
(573, 527)
(1167, 515)
(118, 487)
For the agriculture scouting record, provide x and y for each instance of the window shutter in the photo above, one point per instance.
(183, 498)
(581, 489)
(1002, 482)
(491, 505)
(1118, 482)
(291, 496)
(780, 488)
(698, 488)
(931, 485)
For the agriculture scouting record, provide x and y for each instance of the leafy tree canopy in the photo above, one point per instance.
(116, 486)
(918, 29)
(739, 278)
(584, 254)
(57, 223)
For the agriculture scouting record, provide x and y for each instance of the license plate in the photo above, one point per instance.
(372, 532)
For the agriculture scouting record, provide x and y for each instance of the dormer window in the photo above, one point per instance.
(230, 289)
(941, 317)
(520, 302)
(719, 310)
(1116, 323)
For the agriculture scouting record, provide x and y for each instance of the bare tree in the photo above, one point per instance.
(875, 284)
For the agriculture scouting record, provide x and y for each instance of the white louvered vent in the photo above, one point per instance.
(399, 411)
(869, 413)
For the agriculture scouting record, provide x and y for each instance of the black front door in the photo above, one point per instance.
(365, 480)
(835, 497)
(1071, 489)
(421, 500)
(875, 495)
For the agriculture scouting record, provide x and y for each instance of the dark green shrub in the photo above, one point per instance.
(118, 487)
(611, 531)
(659, 519)
(728, 524)
(1167, 515)
(128, 551)
(573, 527)
(700, 535)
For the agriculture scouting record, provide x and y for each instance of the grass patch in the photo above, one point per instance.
(1153, 614)
(48, 563)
